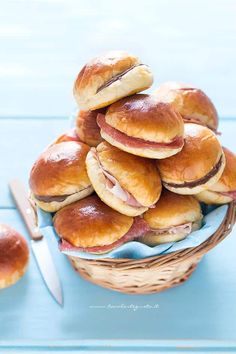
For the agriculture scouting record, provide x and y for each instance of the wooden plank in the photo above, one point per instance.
(200, 309)
(124, 347)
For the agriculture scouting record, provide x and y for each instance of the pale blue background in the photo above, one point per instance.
(43, 44)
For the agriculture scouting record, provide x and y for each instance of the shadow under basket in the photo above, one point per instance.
(153, 274)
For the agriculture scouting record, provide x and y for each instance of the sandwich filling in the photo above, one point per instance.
(138, 229)
(113, 185)
(116, 78)
(189, 119)
(231, 194)
(199, 181)
(184, 229)
(132, 142)
(56, 198)
(169, 234)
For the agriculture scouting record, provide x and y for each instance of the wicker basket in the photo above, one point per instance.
(154, 274)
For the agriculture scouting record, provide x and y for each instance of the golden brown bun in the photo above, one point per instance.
(226, 183)
(52, 206)
(190, 102)
(141, 116)
(173, 210)
(60, 171)
(87, 128)
(14, 256)
(68, 136)
(90, 222)
(135, 174)
(95, 74)
(200, 154)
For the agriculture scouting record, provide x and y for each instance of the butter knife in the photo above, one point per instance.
(38, 241)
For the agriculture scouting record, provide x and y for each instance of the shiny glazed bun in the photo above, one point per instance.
(59, 176)
(199, 164)
(142, 126)
(193, 104)
(90, 225)
(90, 222)
(127, 183)
(68, 136)
(224, 190)
(87, 128)
(109, 77)
(172, 219)
(14, 256)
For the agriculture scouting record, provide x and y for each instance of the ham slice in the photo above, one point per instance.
(184, 228)
(135, 142)
(231, 194)
(113, 185)
(115, 188)
(138, 229)
(189, 119)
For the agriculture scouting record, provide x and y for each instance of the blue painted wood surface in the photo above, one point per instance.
(201, 309)
(43, 46)
(45, 43)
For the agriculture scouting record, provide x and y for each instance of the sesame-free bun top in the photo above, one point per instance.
(104, 67)
(142, 116)
(227, 181)
(200, 154)
(89, 223)
(14, 256)
(60, 170)
(87, 128)
(173, 210)
(191, 102)
(109, 77)
(68, 136)
(137, 175)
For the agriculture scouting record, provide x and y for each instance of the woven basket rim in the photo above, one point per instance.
(178, 256)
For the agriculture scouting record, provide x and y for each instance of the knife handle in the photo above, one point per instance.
(23, 205)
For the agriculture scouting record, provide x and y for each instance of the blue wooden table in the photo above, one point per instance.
(200, 314)
(43, 44)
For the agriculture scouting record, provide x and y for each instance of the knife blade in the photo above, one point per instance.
(38, 241)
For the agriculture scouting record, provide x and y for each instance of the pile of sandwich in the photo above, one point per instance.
(135, 166)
